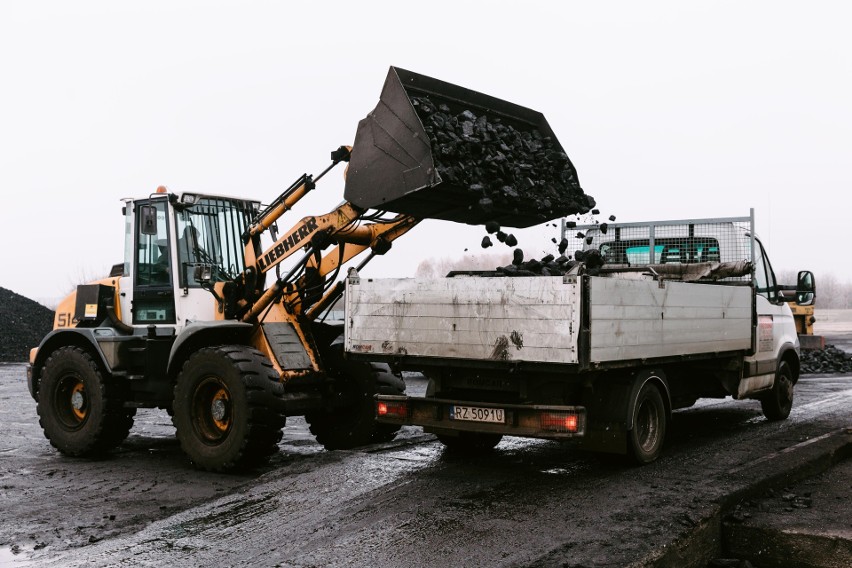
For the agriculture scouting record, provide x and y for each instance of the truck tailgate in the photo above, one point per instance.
(501, 319)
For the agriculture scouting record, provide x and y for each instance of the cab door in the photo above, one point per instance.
(153, 275)
(776, 330)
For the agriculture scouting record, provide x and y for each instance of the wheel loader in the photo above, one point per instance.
(230, 334)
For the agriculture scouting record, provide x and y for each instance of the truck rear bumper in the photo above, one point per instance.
(441, 415)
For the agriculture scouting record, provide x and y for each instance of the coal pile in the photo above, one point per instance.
(504, 167)
(552, 266)
(828, 360)
(25, 323)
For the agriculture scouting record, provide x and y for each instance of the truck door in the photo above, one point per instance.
(774, 320)
(153, 274)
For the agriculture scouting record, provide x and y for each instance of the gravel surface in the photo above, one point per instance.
(25, 324)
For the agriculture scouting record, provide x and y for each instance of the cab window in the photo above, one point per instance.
(152, 248)
(764, 278)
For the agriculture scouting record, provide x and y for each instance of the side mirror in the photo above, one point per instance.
(805, 288)
(148, 219)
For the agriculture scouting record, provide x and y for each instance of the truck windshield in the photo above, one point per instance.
(209, 233)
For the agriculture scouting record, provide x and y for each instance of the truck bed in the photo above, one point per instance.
(542, 319)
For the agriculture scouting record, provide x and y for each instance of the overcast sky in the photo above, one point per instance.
(667, 110)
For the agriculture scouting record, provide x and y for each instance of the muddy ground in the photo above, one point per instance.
(531, 503)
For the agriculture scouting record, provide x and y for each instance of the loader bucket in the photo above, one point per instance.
(432, 149)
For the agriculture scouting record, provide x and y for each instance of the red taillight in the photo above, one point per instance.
(393, 409)
(560, 421)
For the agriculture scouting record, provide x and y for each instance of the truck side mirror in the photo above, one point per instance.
(805, 288)
(148, 219)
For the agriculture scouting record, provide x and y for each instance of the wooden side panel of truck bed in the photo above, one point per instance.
(538, 319)
(517, 319)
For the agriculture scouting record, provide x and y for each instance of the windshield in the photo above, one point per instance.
(210, 232)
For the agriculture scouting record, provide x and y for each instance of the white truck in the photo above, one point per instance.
(671, 312)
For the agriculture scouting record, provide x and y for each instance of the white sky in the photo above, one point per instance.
(667, 109)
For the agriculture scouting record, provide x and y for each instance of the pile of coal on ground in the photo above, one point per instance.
(25, 323)
(828, 360)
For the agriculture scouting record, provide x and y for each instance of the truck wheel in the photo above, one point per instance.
(222, 408)
(355, 425)
(470, 442)
(776, 404)
(81, 412)
(648, 431)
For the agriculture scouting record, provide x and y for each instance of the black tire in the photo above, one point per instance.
(355, 425)
(224, 408)
(776, 404)
(648, 428)
(470, 442)
(80, 408)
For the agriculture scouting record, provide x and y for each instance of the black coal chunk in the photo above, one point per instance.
(507, 165)
(486, 242)
(492, 227)
(511, 240)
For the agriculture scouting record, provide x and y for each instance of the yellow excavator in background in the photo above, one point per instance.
(201, 320)
(803, 312)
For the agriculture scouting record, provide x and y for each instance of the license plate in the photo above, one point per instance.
(478, 414)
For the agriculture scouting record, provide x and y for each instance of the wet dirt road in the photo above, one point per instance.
(531, 503)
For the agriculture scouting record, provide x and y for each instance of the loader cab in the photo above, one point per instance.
(170, 242)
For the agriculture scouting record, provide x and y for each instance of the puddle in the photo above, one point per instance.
(14, 557)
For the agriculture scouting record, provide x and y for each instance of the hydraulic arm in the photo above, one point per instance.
(326, 242)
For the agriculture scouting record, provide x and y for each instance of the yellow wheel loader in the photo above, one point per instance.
(202, 320)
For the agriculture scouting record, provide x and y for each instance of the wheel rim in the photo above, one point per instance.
(71, 403)
(212, 410)
(648, 426)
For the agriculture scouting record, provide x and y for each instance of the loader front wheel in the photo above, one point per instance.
(355, 424)
(81, 412)
(224, 410)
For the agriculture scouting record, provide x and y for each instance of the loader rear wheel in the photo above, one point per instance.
(645, 438)
(470, 442)
(355, 425)
(80, 409)
(224, 408)
(776, 404)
